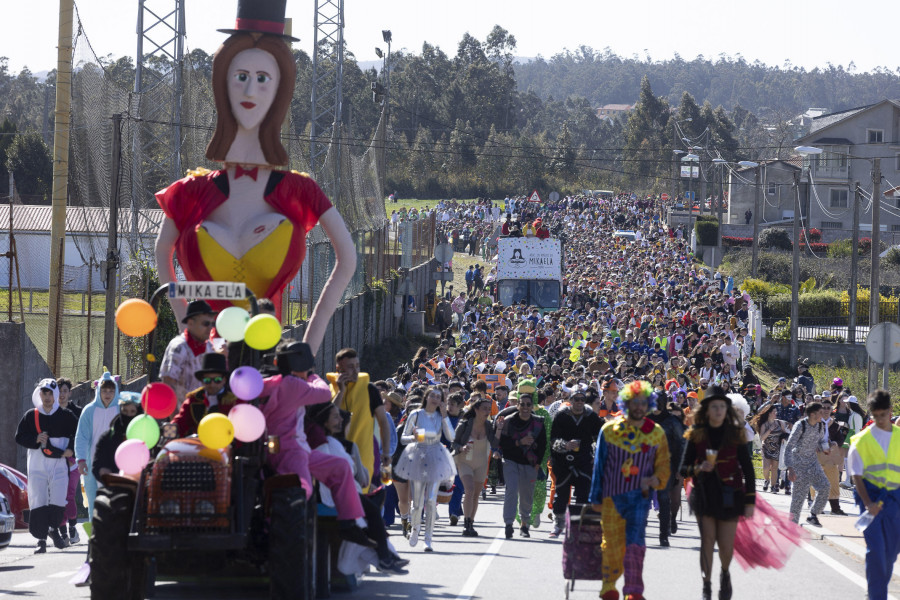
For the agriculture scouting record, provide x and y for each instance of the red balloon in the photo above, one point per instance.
(158, 400)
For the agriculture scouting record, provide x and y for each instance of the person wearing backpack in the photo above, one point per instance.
(801, 458)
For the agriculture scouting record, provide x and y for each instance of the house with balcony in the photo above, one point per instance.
(849, 140)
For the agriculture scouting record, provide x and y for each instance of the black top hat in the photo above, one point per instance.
(715, 392)
(261, 16)
(212, 362)
(198, 307)
(294, 356)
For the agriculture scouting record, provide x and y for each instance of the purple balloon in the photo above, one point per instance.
(246, 383)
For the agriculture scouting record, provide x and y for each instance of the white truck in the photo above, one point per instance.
(530, 269)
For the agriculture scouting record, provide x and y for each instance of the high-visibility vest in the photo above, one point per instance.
(880, 470)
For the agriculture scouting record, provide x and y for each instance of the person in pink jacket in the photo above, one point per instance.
(288, 396)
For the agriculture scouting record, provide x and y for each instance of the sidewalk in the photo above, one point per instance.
(836, 530)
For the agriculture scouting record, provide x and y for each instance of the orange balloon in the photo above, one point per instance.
(135, 317)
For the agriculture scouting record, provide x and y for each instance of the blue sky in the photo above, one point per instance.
(807, 34)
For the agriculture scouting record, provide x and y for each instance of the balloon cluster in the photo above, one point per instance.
(136, 318)
(244, 422)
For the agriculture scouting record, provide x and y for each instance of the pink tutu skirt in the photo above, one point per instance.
(768, 539)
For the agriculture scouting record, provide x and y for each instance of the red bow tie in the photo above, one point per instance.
(240, 172)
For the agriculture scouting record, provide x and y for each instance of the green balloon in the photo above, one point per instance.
(144, 428)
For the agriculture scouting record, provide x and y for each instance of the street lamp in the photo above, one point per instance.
(805, 151)
(754, 263)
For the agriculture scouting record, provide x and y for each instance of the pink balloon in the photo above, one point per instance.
(249, 422)
(132, 456)
(246, 383)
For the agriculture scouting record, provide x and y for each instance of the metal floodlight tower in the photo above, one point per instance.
(327, 90)
(158, 95)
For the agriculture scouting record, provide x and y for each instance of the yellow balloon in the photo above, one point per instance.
(215, 431)
(262, 332)
(135, 317)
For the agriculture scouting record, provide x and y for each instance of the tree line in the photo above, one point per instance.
(477, 123)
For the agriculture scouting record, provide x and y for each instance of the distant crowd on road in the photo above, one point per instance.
(641, 381)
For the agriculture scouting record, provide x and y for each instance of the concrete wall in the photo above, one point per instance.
(23, 368)
(820, 352)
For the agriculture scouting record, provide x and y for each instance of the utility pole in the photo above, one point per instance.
(111, 264)
(60, 179)
(795, 276)
(854, 265)
(754, 265)
(875, 275)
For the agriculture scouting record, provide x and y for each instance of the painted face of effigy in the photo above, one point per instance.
(253, 82)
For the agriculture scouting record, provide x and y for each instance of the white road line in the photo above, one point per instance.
(480, 570)
(63, 574)
(27, 584)
(838, 567)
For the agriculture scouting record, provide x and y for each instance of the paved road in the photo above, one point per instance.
(492, 567)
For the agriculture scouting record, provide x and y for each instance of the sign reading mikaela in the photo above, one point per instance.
(529, 258)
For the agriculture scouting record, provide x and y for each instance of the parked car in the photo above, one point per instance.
(14, 485)
(7, 522)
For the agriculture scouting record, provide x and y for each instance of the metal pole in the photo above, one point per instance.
(874, 281)
(720, 203)
(754, 265)
(60, 176)
(854, 263)
(112, 250)
(886, 367)
(87, 376)
(795, 276)
(12, 184)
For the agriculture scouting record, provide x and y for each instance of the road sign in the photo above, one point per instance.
(443, 253)
(534, 197)
(690, 196)
(405, 287)
(554, 196)
(442, 275)
(664, 197)
(883, 343)
(208, 290)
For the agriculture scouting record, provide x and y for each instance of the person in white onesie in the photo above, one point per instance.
(48, 433)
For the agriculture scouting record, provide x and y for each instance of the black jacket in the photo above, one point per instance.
(61, 424)
(568, 427)
(108, 443)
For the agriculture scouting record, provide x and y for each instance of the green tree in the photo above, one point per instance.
(562, 164)
(645, 135)
(28, 158)
(7, 134)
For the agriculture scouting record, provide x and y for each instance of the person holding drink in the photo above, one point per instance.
(719, 461)
(425, 462)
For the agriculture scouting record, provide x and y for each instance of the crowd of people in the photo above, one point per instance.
(640, 381)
